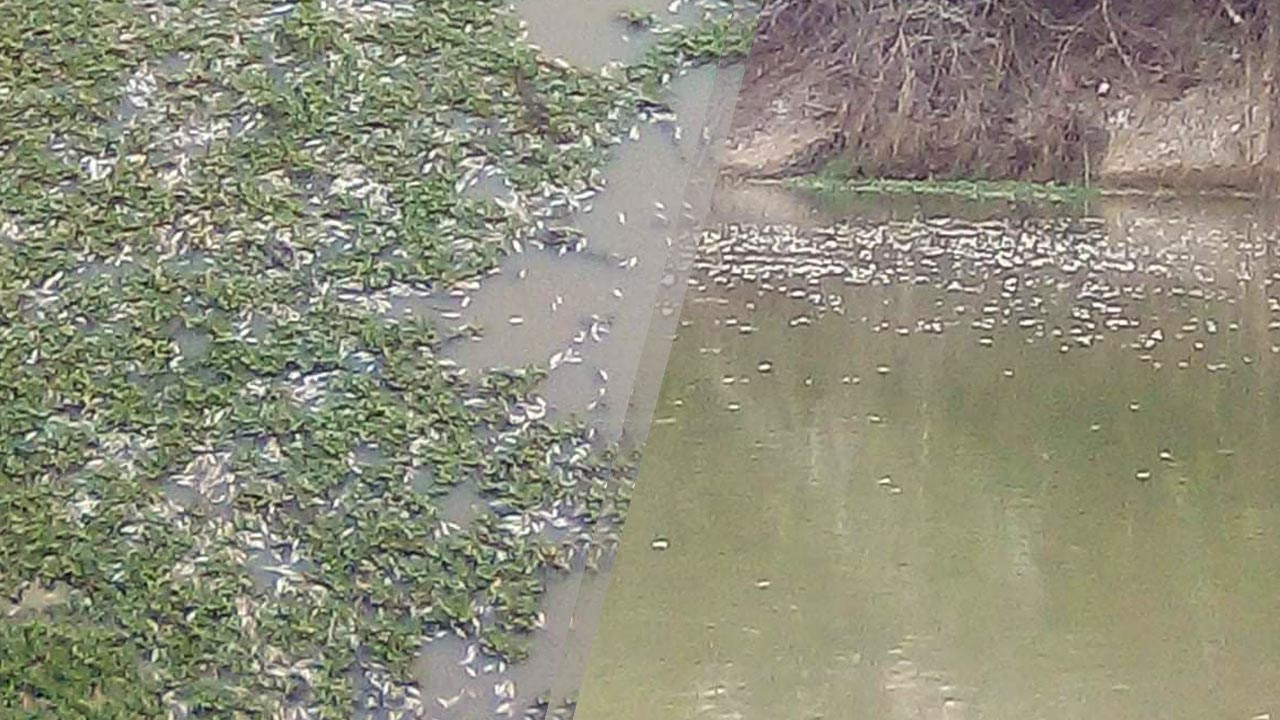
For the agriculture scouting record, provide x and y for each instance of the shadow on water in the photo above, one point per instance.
(1045, 490)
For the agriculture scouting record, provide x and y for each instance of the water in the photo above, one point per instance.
(1044, 493)
(586, 314)
(593, 34)
(473, 683)
(33, 600)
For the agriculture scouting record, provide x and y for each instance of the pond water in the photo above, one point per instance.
(587, 316)
(905, 466)
(593, 34)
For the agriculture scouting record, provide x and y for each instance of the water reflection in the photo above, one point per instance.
(989, 485)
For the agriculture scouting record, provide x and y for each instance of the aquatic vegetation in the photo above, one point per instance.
(51, 670)
(834, 182)
(722, 38)
(206, 435)
(638, 18)
(725, 39)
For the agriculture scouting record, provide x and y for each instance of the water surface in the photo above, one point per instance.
(1019, 474)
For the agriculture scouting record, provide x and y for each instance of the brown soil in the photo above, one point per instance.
(1124, 92)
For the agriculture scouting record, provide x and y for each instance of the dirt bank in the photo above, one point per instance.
(1170, 93)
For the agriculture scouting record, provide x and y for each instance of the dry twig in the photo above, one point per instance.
(1115, 40)
(1236, 18)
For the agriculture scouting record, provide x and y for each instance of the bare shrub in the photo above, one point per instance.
(999, 88)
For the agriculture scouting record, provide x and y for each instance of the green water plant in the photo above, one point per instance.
(837, 179)
(208, 434)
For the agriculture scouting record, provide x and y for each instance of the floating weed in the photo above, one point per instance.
(638, 19)
(219, 455)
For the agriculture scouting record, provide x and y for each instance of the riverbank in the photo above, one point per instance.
(1085, 92)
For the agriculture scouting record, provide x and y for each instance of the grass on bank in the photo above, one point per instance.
(837, 179)
(977, 190)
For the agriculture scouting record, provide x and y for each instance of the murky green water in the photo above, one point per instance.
(1029, 475)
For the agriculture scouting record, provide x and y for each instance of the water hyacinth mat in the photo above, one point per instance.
(221, 470)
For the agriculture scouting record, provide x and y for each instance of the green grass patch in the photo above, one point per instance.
(977, 190)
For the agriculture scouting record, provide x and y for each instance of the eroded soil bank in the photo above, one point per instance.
(1129, 93)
